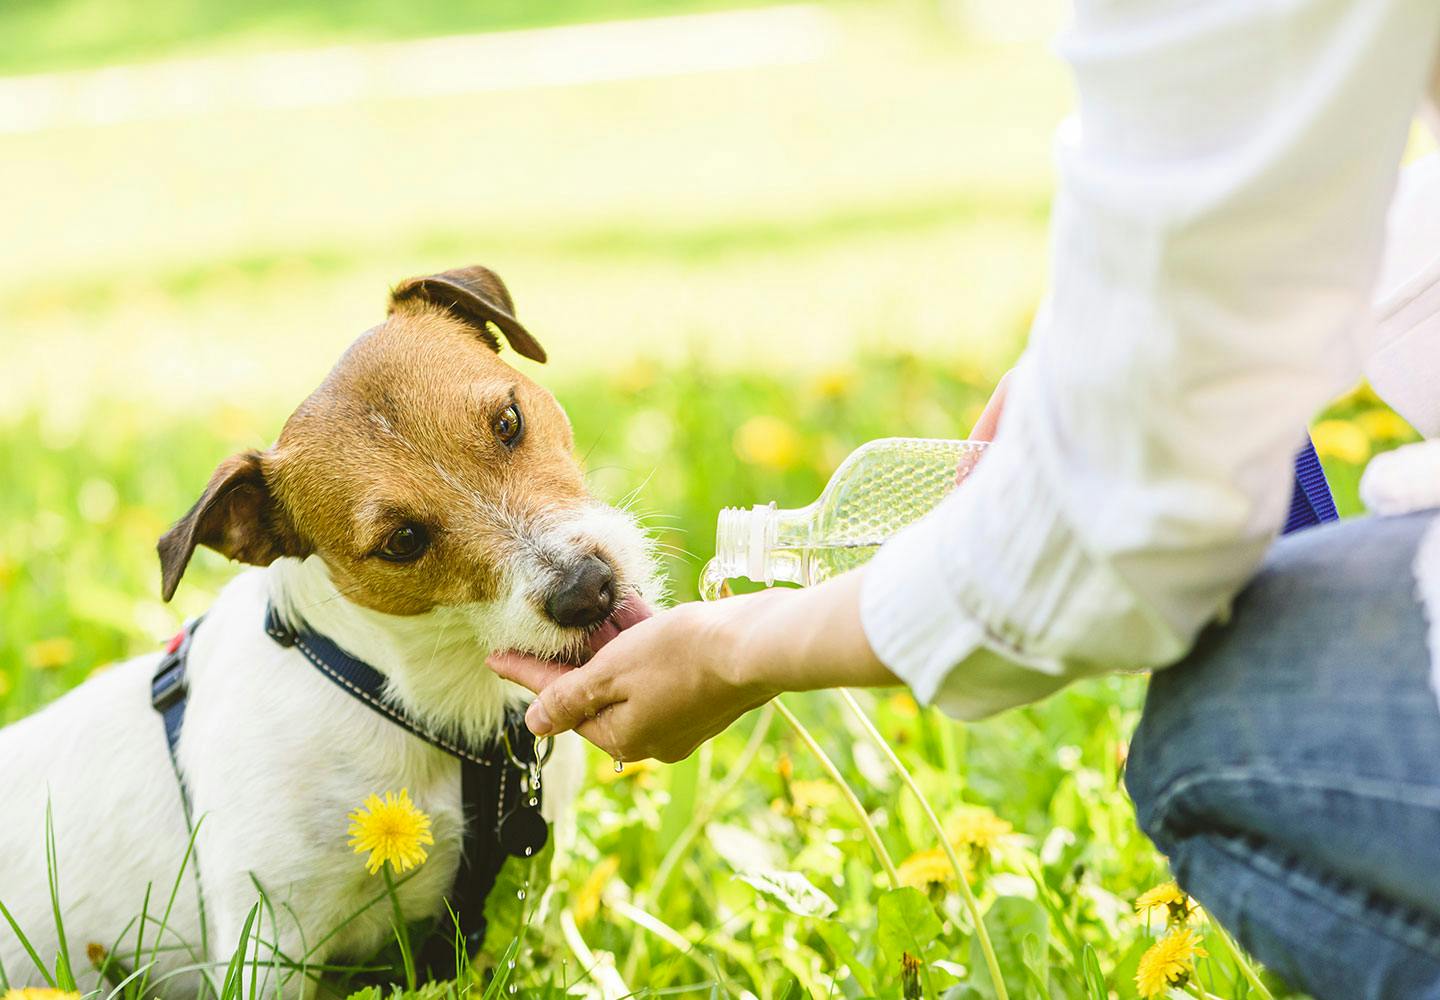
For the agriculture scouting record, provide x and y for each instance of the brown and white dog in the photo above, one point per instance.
(421, 508)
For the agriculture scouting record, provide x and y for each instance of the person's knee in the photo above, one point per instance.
(1162, 761)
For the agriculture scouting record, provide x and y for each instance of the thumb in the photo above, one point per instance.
(568, 702)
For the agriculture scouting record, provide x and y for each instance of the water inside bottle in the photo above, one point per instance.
(880, 488)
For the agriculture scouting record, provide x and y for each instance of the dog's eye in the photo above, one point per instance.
(405, 543)
(507, 426)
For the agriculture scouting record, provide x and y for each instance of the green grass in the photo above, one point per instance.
(850, 249)
(80, 583)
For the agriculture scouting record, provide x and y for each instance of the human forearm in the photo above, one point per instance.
(670, 682)
(800, 640)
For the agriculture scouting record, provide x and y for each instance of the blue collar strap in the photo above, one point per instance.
(1310, 499)
(500, 784)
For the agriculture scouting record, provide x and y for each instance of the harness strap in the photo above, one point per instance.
(500, 785)
(362, 681)
(169, 688)
(1310, 499)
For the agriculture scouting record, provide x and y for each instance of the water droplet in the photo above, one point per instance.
(712, 581)
(528, 851)
(510, 964)
(619, 766)
(521, 894)
(512, 989)
(534, 802)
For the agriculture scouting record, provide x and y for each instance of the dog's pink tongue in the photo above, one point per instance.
(631, 612)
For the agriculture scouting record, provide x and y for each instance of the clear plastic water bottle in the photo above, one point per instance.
(879, 489)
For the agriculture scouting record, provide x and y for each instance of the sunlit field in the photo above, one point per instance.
(740, 275)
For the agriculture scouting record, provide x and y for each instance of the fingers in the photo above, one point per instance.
(576, 705)
(527, 671)
(989, 422)
(575, 700)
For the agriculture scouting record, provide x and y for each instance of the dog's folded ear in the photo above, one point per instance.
(477, 296)
(236, 516)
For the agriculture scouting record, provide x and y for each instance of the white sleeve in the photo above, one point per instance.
(1403, 363)
(1215, 242)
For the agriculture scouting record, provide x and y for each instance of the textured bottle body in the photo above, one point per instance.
(879, 489)
(882, 487)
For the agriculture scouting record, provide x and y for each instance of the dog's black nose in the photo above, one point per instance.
(585, 595)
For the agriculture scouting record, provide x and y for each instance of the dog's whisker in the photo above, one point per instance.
(593, 445)
(386, 518)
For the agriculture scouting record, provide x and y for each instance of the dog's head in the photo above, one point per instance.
(429, 476)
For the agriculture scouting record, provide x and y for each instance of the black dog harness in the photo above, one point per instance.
(500, 782)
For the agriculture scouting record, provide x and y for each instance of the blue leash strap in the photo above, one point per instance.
(1310, 500)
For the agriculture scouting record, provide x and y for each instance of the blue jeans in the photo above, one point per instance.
(1290, 766)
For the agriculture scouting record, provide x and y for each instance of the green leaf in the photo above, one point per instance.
(1124, 971)
(1011, 920)
(841, 939)
(791, 890)
(907, 924)
(506, 913)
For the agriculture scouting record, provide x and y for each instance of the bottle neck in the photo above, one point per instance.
(761, 544)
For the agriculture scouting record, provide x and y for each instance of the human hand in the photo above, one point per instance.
(664, 685)
(989, 422)
(657, 689)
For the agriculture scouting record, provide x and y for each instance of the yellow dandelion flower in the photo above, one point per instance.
(1384, 425)
(1342, 440)
(978, 829)
(834, 383)
(40, 993)
(817, 794)
(903, 704)
(767, 441)
(392, 830)
(1168, 962)
(1168, 897)
(924, 869)
(587, 898)
(785, 767)
(48, 654)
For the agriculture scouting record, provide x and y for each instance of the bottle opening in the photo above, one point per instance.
(743, 539)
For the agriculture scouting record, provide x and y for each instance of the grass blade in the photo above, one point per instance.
(856, 806)
(235, 973)
(25, 943)
(64, 976)
(169, 907)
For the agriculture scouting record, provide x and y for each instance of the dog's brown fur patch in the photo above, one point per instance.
(400, 432)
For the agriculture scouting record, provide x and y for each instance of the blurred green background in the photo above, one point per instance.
(844, 236)
(749, 241)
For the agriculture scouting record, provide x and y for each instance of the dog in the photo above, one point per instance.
(421, 508)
